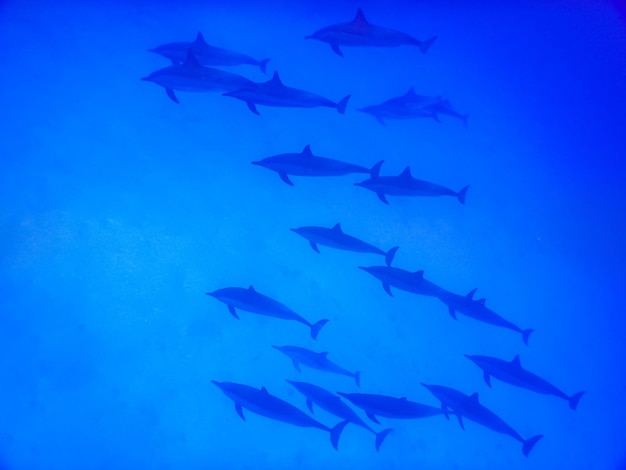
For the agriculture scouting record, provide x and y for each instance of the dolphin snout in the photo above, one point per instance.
(212, 294)
(256, 163)
(218, 384)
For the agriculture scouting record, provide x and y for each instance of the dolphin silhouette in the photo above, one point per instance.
(391, 407)
(402, 279)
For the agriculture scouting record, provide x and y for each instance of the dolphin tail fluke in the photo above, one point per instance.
(573, 400)
(526, 334)
(341, 106)
(530, 443)
(335, 433)
(380, 438)
(375, 170)
(263, 65)
(390, 255)
(315, 329)
(425, 45)
(357, 378)
(461, 194)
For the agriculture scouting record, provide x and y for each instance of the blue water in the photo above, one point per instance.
(120, 209)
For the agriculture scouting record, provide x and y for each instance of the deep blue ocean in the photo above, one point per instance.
(120, 209)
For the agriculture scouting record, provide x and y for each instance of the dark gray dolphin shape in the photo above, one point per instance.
(360, 33)
(403, 280)
(336, 238)
(260, 401)
(513, 373)
(206, 54)
(444, 107)
(391, 407)
(316, 360)
(275, 93)
(252, 301)
(407, 106)
(468, 406)
(333, 404)
(466, 305)
(307, 164)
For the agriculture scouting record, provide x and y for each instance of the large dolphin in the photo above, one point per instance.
(336, 238)
(402, 279)
(316, 360)
(307, 164)
(333, 404)
(391, 407)
(260, 401)
(191, 76)
(468, 406)
(466, 305)
(405, 185)
(206, 54)
(275, 93)
(252, 301)
(359, 32)
(513, 373)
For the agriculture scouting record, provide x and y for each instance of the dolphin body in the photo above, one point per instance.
(191, 76)
(260, 401)
(407, 106)
(206, 54)
(476, 309)
(307, 164)
(333, 404)
(360, 33)
(469, 407)
(336, 238)
(513, 373)
(405, 185)
(444, 107)
(274, 93)
(252, 301)
(391, 407)
(317, 361)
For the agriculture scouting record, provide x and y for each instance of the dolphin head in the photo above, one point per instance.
(279, 348)
(298, 230)
(218, 384)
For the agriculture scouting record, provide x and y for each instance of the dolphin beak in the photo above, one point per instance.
(212, 294)
(256, 163)
(294, 230)
(425, 385)
(358, 184)
(216, 383)
(276, 347)
(308, 37)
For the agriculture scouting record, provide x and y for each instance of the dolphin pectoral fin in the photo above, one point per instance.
(296, 364)
(487, 378)
(172, 95)
(252, 107)
(314, 246)
(233, 312)
(309, 405)
(335, 433)
(387, 288)
(460, 418)
(285, 178)
(336, 50)
(239, 411)
(573, 400)
(372, 416)
(452, 312)
(530, 443)
(382, 197)
(357, 378)
(380, 438)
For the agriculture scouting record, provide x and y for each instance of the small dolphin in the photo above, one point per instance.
(405, 185)
(469, 407)
(333, 404)
(307, 164)
(206, 54)
(514, 374)
(252, 301)
(336, 238)
(260, 401)
(316, 360)
(391, 407)
(275, 93)
(359, 32)
(476, 309)
(191, 76)
(444, 107)
(407, 106)
(403, 280)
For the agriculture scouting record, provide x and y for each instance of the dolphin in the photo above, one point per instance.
(405, 185)
(391, 407)
(444, 107)
(469, 407)
(403, 280)
(206, 54)
(476, 309)
(513, 373)
(260, 401)
(307, 164)
(191, 76)
(407, 106)
(275, 93)
(333, 404)
(336, 238)
(252, 301)
(316, 360)
(359, 32)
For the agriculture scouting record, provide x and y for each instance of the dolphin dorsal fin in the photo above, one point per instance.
(276, 79)
(191, 60)
(470, 294)
(323, 354)
(474, 397)
(516, 362)
(251, 289)
(406, 173)
(360, 17)
(264, 390)
(307, 151)
(419, 273)
(337, 227)
(411, 92)
(403, 398)
(199, 40)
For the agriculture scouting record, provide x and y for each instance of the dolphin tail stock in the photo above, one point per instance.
(461, 194)
(574, 399)
(341, 106)
(526, 334)
(390, 255)
(530, 443)
(357, 378)
(375, 170)
(425, 45)
(263, 65)
(381, 436)
(335, 433)
(315, 328)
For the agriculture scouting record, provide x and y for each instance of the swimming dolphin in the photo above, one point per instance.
(275, 93)
(403, 280)
(513, 373)
(407, 106)
(252, 301)
(260, 401)
(191, 76)
(336, 238)
(405, 185)
(307, 164)
(359, 32)
(444, 107)
(476, 309)
(468, 406)
(333, 404)
(316, 360)
(391, 407)
(206, 54)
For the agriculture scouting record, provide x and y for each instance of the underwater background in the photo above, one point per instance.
(120, 209)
